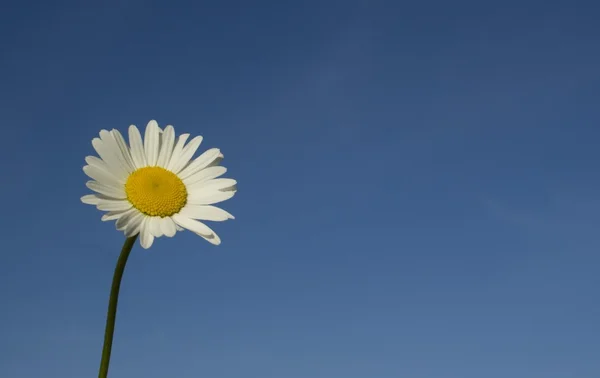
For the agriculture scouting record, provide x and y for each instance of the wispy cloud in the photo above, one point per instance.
(516, 216)
(563, 215)
(320, 96)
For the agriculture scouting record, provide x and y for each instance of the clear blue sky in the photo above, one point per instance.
(419, 188)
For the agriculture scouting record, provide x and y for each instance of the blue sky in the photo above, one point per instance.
(418, 188)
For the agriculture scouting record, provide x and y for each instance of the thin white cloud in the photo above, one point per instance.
(560, 217)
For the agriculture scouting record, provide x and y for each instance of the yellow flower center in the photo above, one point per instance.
(156, 192)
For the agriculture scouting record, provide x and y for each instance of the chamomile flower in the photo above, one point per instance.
(153, 187)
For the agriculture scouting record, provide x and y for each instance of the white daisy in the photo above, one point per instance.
(153, 187)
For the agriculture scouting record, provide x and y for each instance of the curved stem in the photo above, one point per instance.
(112, 305)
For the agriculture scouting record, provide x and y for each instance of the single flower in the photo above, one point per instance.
(153, 187)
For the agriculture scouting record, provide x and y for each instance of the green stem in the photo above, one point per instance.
(112, 305)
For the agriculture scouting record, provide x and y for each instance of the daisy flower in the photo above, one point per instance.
(153, 187)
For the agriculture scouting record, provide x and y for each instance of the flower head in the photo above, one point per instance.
(153, 187)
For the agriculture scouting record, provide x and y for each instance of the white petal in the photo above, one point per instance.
(209, 213)
(106, 190)
(200, 163)
(96, 161)
(177, 151)
(191, 224)
(209, 198)
(186, 154)
(151, 143)
(154, 226)
(101, 165)
(168, 227)
(90, 199)
(135, 225)
(166, 146)
(198, 228)
(137, 147)
(220, 184)
(213, 239)
(179, 229)
(110, 142)
(128, 219)
(102, 176)
(124, 149)
(146, 237)
(107, 155)
(123, 221)
(217, 161)
(205, 175)
(113, 205)
(114, 215)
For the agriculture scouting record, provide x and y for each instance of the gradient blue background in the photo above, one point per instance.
(419, 189)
